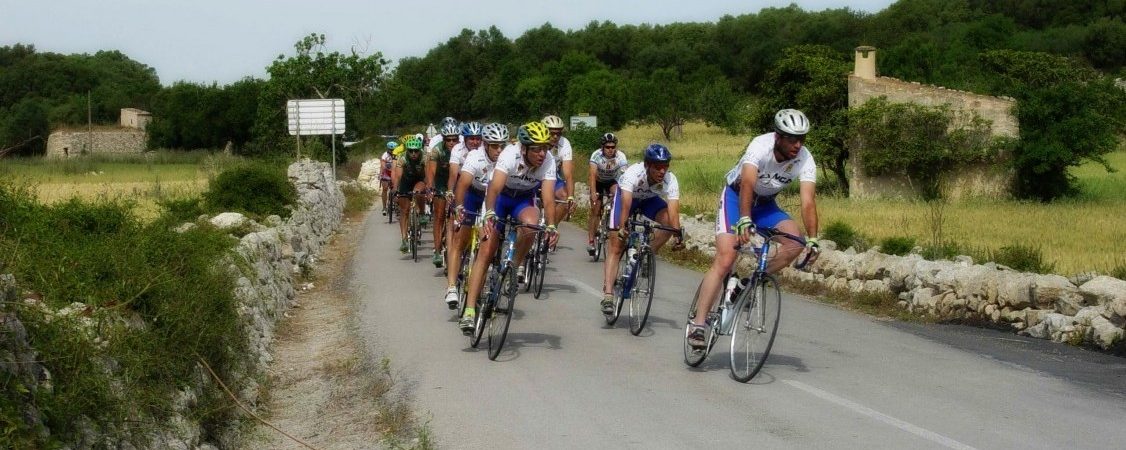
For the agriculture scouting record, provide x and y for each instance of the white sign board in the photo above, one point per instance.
(314, 117)
(585, 120)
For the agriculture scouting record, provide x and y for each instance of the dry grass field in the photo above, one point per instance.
(1078, 234)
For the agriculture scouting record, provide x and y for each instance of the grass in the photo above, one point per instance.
(1075, 234)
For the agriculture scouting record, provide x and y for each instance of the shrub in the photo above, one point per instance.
(897, 245)
(584, 139)
(1023, 257)
(178, 210)
(256, 190)
(357, 198)
(841, 233)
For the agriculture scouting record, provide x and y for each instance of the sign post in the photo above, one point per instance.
(316, 117)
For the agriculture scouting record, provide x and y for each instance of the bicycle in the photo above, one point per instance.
(499, 296)
(637, 273)
(414, 229)
(535, 265)
(603, 227)
(467, 258)
(749, 313)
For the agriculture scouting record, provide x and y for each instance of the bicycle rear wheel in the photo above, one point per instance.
(540, 265)
(484, 307)
(620, 289)
(599, 244)
(692, 356)
(641, 299)
(463, 279)
(756, 323)
(502, 312)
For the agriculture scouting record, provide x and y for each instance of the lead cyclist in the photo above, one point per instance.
(770, 162)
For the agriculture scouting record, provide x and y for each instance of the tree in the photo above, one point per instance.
(813, 79)
(663, 99)
(603, 93)
(24, 128)
(1068, 114)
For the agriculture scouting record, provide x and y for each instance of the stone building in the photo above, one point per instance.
(979, 181)
(128, 138)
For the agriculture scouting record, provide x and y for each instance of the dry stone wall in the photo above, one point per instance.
(66, 144)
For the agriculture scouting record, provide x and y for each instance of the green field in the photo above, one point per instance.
(1078, 234)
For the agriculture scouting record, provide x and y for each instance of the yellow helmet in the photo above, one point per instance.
(533, 133)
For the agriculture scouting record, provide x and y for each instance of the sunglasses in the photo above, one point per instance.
(793, 137)
(450, 139)
(538, 148)
(495, 145)
(555, 132)
(609, 146)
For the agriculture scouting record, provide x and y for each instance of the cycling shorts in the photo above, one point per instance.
(764, 212)
(650, 207)
(512, 206)
(472, 206)
(406, 185)
(603, 188)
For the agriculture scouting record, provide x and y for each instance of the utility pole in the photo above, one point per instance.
(89, 126)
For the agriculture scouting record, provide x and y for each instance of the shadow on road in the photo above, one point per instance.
(518, 341)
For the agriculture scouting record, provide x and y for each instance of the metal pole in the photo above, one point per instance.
(333, 138)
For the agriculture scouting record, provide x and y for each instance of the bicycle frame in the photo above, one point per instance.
(762, 255)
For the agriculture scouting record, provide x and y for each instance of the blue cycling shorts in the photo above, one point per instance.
(650, 207)
(765, 212)
(472, 206)
(512, 206)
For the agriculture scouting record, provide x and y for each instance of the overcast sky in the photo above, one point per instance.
(225, 40)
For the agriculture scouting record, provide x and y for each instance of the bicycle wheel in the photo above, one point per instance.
(641, 299)
(692, 356)
(502, 312)
(756, 323)
(463, 280)
(599, 243)
(485, 307)
(529, 267)
(540, 266)
(620, 290)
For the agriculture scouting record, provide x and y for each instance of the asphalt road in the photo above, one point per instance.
(835, 379)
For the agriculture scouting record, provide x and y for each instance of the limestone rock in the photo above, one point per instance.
(1102, 290)
(1104, 333)
(1056, 291)
(228, 220)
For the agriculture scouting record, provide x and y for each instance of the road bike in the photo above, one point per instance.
(603, 230)
(468, 255)
(748, 311)
(535, 264)
(494, 311)
(637, 273)
(414, 229)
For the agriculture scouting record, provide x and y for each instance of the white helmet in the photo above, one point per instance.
(495, 132)
(791, 121)
(553, 122)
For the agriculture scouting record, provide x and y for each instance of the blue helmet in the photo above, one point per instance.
(470, 129)
(391, 145)
(657, 153)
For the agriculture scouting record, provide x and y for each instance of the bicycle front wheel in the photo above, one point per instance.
(641, 299)
(502, 312)
(485, 306)
(756, 323)
(540, 266)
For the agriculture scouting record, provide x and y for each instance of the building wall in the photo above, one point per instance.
(984, 181)
(62, 144)
(135, 118)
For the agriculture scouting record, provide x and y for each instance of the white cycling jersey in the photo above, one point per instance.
(773, 175)
(460, 151)
(562, 152)
(636, 180)
(608, 168)
(478, 166)
(435, 140)
(521, 176)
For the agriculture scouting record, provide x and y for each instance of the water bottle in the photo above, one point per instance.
(730, 291)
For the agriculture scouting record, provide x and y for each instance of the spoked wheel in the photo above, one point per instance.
(693, 356)
(502, 312)
(620, 289)
(540, 266)
(641, 299)
(485, 307)
(463, 283)
(599, 246)
(756, 324)
(413, 237)
(529, 268)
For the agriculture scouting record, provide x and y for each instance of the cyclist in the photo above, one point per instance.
(470, 141)
(606, 164)
(407, 177)
(520, 169)
(640, 189)
(770, 162)
(437, 177)
(448, 121)
(469, 195)
(386, 163)
(564, 168)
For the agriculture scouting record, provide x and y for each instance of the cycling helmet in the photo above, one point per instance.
(471, 129)
(450, 130)
(413, 143)
(608, 138)
(657, 153)
(791, 121)
(450, 121)
(391, 145)
(533, 133)
(495, 132)
(553, 122)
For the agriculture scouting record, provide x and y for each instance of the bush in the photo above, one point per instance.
(1023, 257)
(357, 199)
(179, 210)
(255, 190)
(584, 139)
(841, 233)
(897, 245)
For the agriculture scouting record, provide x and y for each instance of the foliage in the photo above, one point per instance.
(897, 245)
(1068, 114)
(919, 142)
(126, 273)
(190, 116)
(1023, 257)
(841, 233)
(178, 210)
(813, 79)
(357, 198)
(257, 190)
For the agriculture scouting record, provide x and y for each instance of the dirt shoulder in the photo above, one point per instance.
(322, 388)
